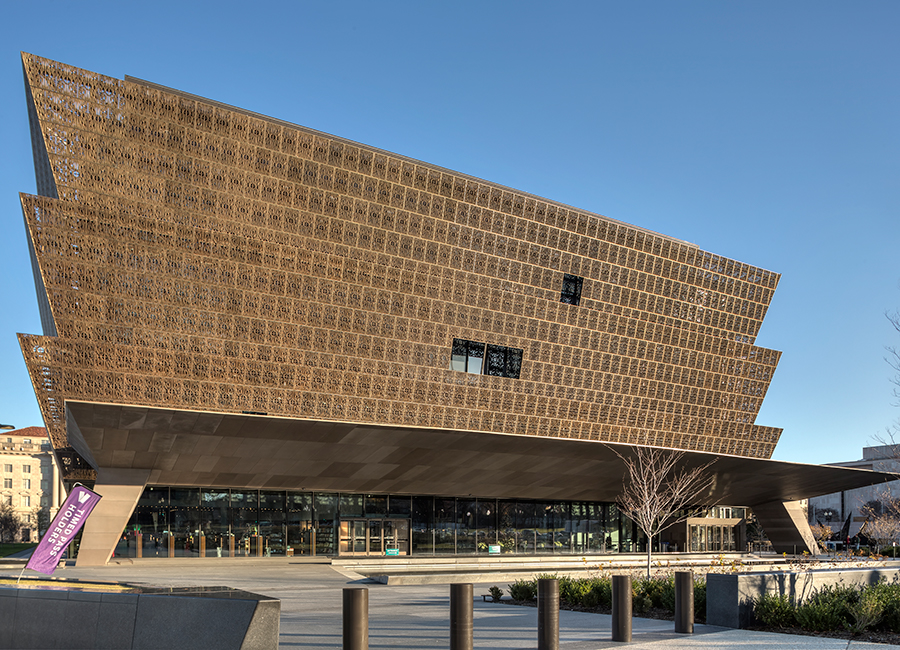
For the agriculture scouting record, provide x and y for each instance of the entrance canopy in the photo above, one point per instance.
(203, 449)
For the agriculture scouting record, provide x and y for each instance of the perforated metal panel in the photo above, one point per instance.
(202, 257)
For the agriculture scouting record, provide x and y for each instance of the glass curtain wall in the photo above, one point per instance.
(245, 521)
(215, 521)
(299, 523)
(182, 522)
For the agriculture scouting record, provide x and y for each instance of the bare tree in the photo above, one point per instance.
(882, 519)
(659, 491)
(10, 524)
(893, 357)
(822, 533)
(891, 436)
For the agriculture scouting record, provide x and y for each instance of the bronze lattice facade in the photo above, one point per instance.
(190, 255)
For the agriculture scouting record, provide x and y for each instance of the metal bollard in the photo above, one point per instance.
(621, 608)
(684, 602)
(356, 618)
(461, 617)
(548, 614)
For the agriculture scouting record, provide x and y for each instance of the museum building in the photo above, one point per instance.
(259, 338)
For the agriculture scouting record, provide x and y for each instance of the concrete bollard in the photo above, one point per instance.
(684, 602)
(461, 616)
(621, 608)
(356, 618)
(548, 614)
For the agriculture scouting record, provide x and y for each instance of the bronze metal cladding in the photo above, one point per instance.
(195, 256)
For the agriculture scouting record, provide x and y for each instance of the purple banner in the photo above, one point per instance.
(65, 526)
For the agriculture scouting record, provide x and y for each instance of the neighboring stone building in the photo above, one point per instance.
(31, 480)
(835, 509)
(257, 335)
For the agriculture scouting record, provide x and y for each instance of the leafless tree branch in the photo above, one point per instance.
(882, 518)
(891, 436)
(660, 491)
(893, 357)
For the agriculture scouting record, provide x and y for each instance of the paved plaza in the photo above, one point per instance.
(417, 617)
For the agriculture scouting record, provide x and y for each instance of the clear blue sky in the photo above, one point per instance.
(763, 131)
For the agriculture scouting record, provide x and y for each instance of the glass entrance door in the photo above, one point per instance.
(396, 536)
(353, 540)
(376, 545)
(374, 537)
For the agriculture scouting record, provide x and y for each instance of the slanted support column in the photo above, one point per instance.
(786, 527)
(120, 489)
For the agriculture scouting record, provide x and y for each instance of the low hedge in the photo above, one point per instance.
(853, 608)
(596, 593)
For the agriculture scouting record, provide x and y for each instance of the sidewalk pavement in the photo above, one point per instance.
(417, 617)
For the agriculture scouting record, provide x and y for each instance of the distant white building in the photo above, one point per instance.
(31, 480)
(835, 509)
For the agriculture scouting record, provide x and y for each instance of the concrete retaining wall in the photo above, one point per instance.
(58, 618)
(729, 598)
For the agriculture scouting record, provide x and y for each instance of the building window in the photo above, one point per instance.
(467, 356)
(7, 483)
(26, 502)
(503, 361)
(571, 289)
(44, 485)
(478, 359)
(27, 441)
(26, 484)
(26, 469)
(7, 469)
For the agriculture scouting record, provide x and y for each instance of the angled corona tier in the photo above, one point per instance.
(197, 256)
(232, 300)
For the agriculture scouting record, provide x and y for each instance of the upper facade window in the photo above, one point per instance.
(480, 359)
(467, 356)
(571, 289)
(503, 361)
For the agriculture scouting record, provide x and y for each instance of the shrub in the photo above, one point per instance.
(566, 589)
(496, 593)
(640, 603)
(600, 594)
(889, 596)
(576, 592)
(827, 609)
(771, 610)
(667, 596)
(650, 590)
(523, 590)
(866, 612)
(699, 600)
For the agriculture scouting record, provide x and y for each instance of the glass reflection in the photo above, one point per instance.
(221, 522)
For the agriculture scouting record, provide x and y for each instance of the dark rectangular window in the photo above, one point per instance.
(467, 356)
(503, 361)
(571, 289)
(478, 359)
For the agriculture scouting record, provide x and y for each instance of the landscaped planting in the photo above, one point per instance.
(856, 609)
(649, 597)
